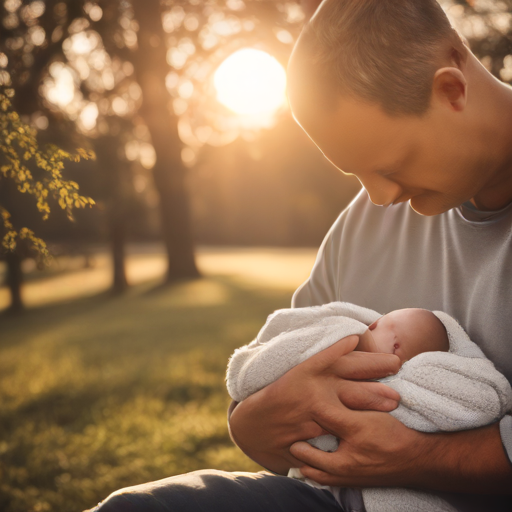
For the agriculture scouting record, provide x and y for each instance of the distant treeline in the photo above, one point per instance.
(276, 190)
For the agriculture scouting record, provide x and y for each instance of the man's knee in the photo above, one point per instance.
(173, 494)
(219, 491)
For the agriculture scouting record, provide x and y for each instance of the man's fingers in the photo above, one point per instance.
(371, 396)
(320, 476)
(337, 420)
(327, 357)
(365, 365)
(324, 461)
(310, 430)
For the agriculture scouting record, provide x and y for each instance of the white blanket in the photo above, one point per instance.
(439, 391)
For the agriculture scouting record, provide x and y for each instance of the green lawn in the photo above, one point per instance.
(100, 393)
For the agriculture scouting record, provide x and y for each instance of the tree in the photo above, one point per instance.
(116, 173)
(38, 172)
(182, 35)
(488, 27)
(149, 60)
(131, 35)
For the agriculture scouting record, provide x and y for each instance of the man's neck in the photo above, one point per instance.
(497, 192)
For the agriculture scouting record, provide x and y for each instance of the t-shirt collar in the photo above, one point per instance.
(471, 213)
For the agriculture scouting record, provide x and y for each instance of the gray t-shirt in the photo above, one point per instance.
(459, 262)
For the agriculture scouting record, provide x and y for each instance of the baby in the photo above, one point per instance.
(406, 333)
(446, 383)
(403, 332)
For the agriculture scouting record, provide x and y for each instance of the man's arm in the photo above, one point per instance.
(321, 396)
(378, 450)
(267, 423)
(375, 448)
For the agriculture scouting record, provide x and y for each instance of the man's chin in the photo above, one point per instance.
(428, 207)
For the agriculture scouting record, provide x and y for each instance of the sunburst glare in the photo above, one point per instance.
(251, 82)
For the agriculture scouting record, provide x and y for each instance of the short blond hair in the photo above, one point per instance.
(384, 51)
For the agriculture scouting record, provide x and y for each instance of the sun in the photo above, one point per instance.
(251, 82)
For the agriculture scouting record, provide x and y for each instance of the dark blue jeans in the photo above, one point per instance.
(219, 491)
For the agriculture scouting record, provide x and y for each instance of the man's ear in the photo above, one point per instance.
(450, 88)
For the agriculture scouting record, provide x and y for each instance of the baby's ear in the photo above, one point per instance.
(372, 326)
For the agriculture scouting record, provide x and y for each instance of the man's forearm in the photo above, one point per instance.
(270, 462)
(472, 461)
(268, 422)
(376, 450)
(231, 408)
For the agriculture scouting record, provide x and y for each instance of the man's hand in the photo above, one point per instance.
(374, 450)
(267, 423)
(377, 450)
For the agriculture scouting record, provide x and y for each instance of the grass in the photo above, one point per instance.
(100, 393)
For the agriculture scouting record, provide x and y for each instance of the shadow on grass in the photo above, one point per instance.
(104, 392)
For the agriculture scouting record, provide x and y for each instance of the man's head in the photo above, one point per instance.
(385, 52)
(382, 89)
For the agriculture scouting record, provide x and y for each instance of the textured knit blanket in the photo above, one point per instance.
(440, 391)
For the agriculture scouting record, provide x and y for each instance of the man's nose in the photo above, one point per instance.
(382, 192)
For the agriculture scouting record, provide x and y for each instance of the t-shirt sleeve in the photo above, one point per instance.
(506, 435)
(321, 286)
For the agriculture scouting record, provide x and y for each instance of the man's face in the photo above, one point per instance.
(425, 160)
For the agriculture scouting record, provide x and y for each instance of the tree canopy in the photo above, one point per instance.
(36, 171)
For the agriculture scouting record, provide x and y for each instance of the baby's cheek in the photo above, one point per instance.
(402, 354)
(385, 346)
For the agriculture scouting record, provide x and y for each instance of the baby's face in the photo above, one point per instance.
(406, 333)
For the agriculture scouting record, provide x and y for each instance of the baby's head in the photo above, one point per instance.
(406, 333)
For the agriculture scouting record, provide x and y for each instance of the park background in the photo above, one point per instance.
(206, 218)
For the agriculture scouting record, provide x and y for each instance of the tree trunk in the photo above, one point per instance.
(14, 204)
(151, 67)
(14, 281)
(115, 172)
(118, 239)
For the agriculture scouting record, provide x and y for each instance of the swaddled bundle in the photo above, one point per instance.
(440, 391)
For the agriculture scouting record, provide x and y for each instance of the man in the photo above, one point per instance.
(390, 93)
